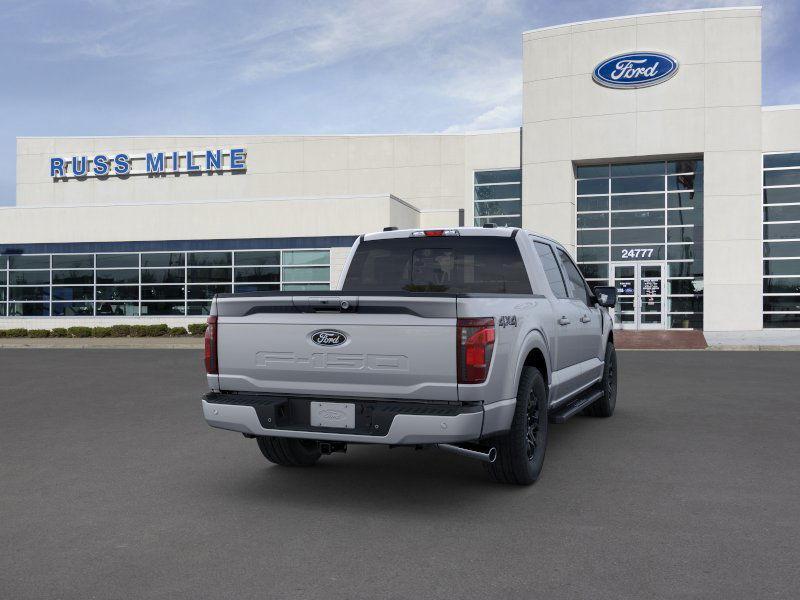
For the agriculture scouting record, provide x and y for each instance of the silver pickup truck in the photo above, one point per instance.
(468, 339)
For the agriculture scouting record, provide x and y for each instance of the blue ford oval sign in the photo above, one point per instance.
(635, 70)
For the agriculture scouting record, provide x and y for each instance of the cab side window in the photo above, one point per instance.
(574, 278)
(551, 269)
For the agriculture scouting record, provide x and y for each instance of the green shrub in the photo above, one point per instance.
(138, 330)
(120, 330)
(176, 331)
(2, 333)
(80, 332)
(197, 328)
(59, 332)
(17, 332)
(38, 333)
(101, 332)
(157, 330)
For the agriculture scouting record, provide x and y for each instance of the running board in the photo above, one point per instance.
(575, 406)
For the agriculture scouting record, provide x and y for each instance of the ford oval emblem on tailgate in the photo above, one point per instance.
(328, 337)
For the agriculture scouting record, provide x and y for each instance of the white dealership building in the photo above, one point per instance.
(644, 147)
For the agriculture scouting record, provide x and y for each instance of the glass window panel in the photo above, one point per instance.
(680, 269)
(685, 321)
(117, 292)
(680, 252)
(2, 277)
(782, 285)
(257, 274)
(637, 219)
(593, 236)
(29, 277)
(306, 257)
(684, 182)
(118, 276)
(788, 320)
(28, 309)
(162, 292)
(162, 309)
(782, 303)
(637, 236)
(789, 159)
(782, 195)
(256, 287)
(506, 207)
(781, 249)
(592, 186)
(782, 231)
(789, 177)
(206, 292)
(257, 258)
(551, 269)
(494, 192)
(593, 220)
(73, 277)
(782, 267)
(29, 262)
(648, 168)
(305, 287)
(117, 309)
(209, 275)
(499, 176)
(680, 234)
(2, 309)
(685, 200)
(694, 304)
(209, 259)
(163, 275)
(499, 221)
(594, 271)
(3, 262)
(306, 274)
(637, 202)
(29, 293)
(638, 252)
(73, 309)
(113, 261)
(684, 166)
(683, 217)
(2, 294)
(73, 261)
(596, 254)
(83, 292)
(164, 259)
(587, 171)
(596, 203)
(782, 213)
(636, 184)
(198, 308)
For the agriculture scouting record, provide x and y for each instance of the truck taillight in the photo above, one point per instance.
(212, 365)
(475, 340)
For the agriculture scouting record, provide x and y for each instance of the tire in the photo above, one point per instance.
(604, 406)
(289, 452)
(520, 452)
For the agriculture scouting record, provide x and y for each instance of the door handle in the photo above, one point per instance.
(585, 319)
(563, 321)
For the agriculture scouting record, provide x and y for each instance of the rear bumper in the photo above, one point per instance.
(378, 421)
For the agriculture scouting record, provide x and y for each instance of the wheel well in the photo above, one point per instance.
(536, 359)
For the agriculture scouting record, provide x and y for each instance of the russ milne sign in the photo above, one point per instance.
(151, 163)
(635, 70)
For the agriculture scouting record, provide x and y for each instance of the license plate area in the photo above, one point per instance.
(336, 415)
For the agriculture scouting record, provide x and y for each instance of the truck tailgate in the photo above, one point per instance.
(381, 347)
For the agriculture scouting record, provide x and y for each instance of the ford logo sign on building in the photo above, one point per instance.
(635, 70)
(328, 337)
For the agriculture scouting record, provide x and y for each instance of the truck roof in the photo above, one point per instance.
(464, 231)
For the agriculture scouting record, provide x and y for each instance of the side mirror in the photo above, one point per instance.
(606, 295)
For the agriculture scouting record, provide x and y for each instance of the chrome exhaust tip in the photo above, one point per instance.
(488, 457)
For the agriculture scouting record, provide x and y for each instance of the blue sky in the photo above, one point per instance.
(151, 67)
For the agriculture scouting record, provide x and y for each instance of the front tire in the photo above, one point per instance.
(289, 452)
(520, 452)
(604, 406)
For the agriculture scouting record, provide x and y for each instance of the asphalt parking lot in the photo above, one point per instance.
(112, 486)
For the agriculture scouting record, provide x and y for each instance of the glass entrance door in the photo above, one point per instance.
(640, 295)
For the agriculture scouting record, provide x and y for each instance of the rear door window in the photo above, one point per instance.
(579, 289)
(490, 265)
(551, 270)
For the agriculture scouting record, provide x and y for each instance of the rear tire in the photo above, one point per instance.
(289, 452)
(520, 452)
(604, 406)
